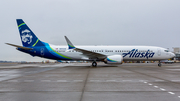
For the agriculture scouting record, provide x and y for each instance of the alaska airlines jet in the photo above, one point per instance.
(108, 54)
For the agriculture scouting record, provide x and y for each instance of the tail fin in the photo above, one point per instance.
(28, 38)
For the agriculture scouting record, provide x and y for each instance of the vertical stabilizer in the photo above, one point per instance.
(28, 38)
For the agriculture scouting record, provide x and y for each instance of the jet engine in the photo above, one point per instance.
(114, 59)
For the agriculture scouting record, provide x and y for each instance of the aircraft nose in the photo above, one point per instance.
(172, 54)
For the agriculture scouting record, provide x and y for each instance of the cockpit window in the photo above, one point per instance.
(166, 50)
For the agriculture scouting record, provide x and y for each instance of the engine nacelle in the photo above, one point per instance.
(114, 59)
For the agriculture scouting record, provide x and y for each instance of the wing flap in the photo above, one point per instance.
(91, 55)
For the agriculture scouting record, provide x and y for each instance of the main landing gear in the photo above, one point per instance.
(94, 64)
(159, 64)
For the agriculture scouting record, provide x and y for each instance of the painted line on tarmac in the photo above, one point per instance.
(143, 80)
(150, 84)
(162, 89)
(45, 80)
(94, 80)
(126, 80)
(28, 80)
(61, 80)
(156, 86)
(173, 69)
(171, 93)
(12, 81)
(175, 80)
(78, 80)
(110, 80)
(159, 80)
(13, 76)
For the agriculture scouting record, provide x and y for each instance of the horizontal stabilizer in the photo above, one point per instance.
(25, 48)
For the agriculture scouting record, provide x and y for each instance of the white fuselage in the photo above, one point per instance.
(129, 53)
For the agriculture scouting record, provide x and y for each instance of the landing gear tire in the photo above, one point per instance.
(94, 64)
(159, 64)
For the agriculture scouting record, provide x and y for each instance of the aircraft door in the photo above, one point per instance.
(42, 52)
(106, 52)
(159, 52)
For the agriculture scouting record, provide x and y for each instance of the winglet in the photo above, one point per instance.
(71, 46)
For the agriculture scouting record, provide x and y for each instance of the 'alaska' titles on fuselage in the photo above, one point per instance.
(135, 54)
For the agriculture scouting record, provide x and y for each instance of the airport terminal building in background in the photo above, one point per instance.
(177, 53)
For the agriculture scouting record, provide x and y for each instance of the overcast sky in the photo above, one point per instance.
(90, 22)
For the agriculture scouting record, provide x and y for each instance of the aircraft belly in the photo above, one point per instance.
(73, 55)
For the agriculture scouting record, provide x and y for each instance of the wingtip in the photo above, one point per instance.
(65, 37)
(71, 46)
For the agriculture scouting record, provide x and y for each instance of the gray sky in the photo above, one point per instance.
(90, 22)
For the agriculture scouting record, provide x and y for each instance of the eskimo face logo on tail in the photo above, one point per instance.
(26, 36)
(134, 53)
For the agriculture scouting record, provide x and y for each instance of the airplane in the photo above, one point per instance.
(107, 54)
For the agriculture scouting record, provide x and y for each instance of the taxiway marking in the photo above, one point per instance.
(175, 80)
(78, 80)
(12, 81)
(28, 80)
(171, 93)
(156, 86)
(94, 80)
(45, 80)
(61, 80)
(150, 84)
(162, 89)
(110, 80)
(159, 80)
(126, 80)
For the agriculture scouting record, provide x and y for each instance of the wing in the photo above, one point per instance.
(87, 53)
(91, 55)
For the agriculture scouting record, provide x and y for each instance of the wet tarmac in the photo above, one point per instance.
(81, 82)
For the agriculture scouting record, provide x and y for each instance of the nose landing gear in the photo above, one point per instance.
(159, 64)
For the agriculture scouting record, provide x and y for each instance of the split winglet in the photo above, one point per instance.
(87, 53)
(71, 46)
